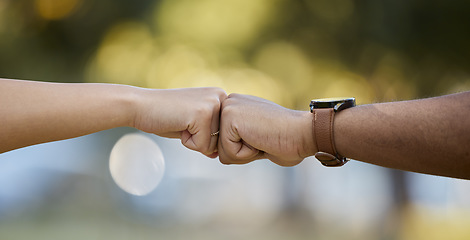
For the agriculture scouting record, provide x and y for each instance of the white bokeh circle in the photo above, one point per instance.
(136, 164)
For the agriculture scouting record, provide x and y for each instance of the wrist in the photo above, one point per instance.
(127, 101)
(308, 146)
(340, 128)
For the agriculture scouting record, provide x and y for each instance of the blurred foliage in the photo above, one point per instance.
(288, 51)
(285, 51)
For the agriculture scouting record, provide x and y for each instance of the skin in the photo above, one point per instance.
(39, 112)
(428, 136)
(252, 128)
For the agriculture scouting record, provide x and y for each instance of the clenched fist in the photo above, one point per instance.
(253, 128)
(191, 114)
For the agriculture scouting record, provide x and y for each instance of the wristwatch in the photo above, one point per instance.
(323, 117)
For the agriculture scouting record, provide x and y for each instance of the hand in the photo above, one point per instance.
(191, 114)
(253, 128)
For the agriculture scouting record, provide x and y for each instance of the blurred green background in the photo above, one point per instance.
(287, 51)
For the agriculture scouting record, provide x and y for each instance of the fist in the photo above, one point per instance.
(190, 114)
(253, 128)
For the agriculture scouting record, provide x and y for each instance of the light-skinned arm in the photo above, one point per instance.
(428, 135)
(37, 112)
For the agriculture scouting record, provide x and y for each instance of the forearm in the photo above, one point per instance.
(38, 112)
(428, 136)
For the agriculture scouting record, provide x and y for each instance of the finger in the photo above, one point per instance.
(214, 130)
(225, 158)
(198, 136)
(215, 126)
(232, 149)
(187, 141)
(213, 155)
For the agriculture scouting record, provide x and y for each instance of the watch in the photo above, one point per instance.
(323, 117)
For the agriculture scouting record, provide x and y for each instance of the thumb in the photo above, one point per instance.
(233, 150)
(244, 151)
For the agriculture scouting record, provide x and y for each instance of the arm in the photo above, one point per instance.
(38, 112)
(428, 136)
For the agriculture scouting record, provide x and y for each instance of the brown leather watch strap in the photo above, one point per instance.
(324, 138)
(323, 126)
(324, 114)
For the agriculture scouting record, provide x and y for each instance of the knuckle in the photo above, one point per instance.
(215, 103)
(212, 102)
(220, 92)
(204, 111)
(234, 95)
(228, 108)
(216, 91)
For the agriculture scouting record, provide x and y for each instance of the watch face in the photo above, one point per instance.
(332, 103)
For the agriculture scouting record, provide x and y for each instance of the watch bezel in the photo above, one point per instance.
(336, 103)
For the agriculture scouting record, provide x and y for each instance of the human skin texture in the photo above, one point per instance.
(427, 135)
(38, 112)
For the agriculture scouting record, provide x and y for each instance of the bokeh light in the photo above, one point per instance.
(124, 55)
(288, 52)
(224, 23)
(56, 9)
